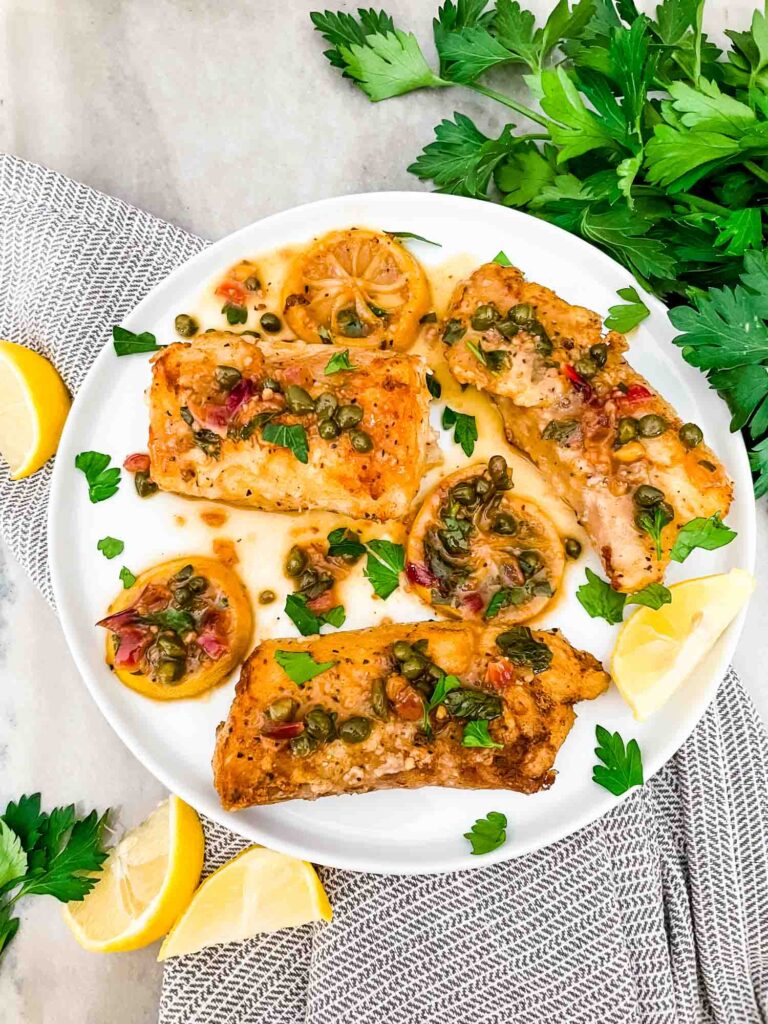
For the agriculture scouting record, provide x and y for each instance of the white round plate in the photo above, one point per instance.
(389, 831)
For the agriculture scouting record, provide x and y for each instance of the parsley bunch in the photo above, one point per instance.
(53, 854)
(640, 135)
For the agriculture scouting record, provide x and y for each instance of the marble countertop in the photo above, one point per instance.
(209, 115)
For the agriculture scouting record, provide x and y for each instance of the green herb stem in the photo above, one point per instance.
(507, 101)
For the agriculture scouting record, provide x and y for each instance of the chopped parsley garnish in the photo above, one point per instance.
(476, 351)
(293, 437)
(127, 578)
(476, 734)
(710, 534)
(443, 686)
(488, 833)
(208, 441)
(502, 259)
(235, 314)
(308, 622)
(626, 316)
(622, 768)
(103, 479)
(386, 560)
(300, 666)
(653, 521)
(110, 547)
(464, 428)
(519, 645)
(127, 343)
(600, 601)
(179, 621)
(346, 544)
(433, 385)
(338, 363)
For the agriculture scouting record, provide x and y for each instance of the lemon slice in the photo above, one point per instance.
(33, 406)
(257, 891)
(146, 883)
(657, 650)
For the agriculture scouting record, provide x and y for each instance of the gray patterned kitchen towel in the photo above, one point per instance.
(656, 914)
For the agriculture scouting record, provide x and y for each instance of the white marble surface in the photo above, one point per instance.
(210, 115)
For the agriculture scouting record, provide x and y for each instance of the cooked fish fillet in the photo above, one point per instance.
(206, 433)
(535, 715)
(568, 423)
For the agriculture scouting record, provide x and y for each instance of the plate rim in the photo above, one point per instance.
(211, 807)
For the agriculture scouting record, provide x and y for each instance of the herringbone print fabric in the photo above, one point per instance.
(657, 914)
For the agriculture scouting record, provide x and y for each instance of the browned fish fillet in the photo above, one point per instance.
(211, 401)
(524, 686)
(596, 429)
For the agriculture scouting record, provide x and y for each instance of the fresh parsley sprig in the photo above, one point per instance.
(600, 601)
(308, 622)
(127, 343)
(708, 534)
(622, 767)
(386, 560)
(300, 666)
(464, 428)
(629, 314)
(55, 854)
(103, 479)
(488, 833)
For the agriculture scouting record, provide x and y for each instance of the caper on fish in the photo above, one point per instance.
(651, 425)
(328, 429)
(226, 377)
(355, 730)
(521, 314)
(402, 650)
(484, 317)
(691, 435)
(326, 405)
(361, 441)
(646, 496)
(298, 400)
(349, 416)
(320, 724)
(304, 745)
(464, 493)
(379, 699)
(626, 430)
(599, 354)
(283, 709)
(504, 524)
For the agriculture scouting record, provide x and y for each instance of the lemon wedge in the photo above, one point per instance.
(33, 406)
(146, 883)
(657, 650)
(257, 891)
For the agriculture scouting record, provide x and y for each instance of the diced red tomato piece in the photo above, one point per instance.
(636, 393)
(582, 386)
(500, 673)
(472, 601)
(232, 291)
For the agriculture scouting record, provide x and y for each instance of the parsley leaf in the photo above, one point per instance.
(179, 621)
(433, 385)
(388, 64)
(621, 768)
(127, 578)
(308, 622)
(346, 544)
(13, 859)
(708, 534)
(502, 259)
(464, 429)
(66, 856)
(417, 238)
(519, 645)
(653, 521)
(26, 819)
(600, 601)
(476, 734)
(300, 666)
(386, 561)
(575, 129)
(488, 833)
(103, 482)
(758, 461)
(127, 343)
(234, 313)
(338, 362)
(342, 29)
(462, 159)
(110, 547)
(293, 437)
(628, 315)
(476, 351)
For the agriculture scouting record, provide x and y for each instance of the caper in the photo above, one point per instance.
(483, 487)
(379, 699)
(271, 323)
(666, 511)
(412, 667)
(530, 562)
(170, 670)
(507, 327)
(646, 496)
(658, 515)
(402, 650)
(690, 435)
(197, 584)
(626, 430)
(252, 283)
(349, 416)
(250, 334)
(543, 343)
(144, 484)
(651, 425)
(349, 323)
(271, 384)
(182, 575)
(355, 730)
(599, 354)
(328, 429)
(283, 709)
(183, 596)
(499, 472)
(296, 562)
(226, 377)
(186, 326)
(505, 524)
(361, 441)
(313, 583)
(484, 317)
(171, 646)
(572, 547)
(521, 314)
(298, 400)
(326, 405)
(304, 745)
(267, 597)
(586, 366)
(318, 723)
(464, 493)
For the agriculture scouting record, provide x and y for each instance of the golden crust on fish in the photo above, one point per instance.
(260, 761)
(572, 403)
(211, 400)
